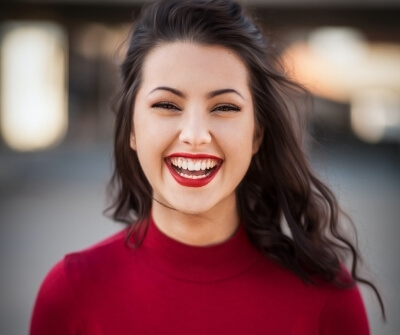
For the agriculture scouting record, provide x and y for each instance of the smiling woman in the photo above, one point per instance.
(208, 171)
(202, 115)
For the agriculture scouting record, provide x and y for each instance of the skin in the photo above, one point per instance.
(193, 120)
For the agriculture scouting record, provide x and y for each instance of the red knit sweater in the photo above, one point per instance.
(166, 287)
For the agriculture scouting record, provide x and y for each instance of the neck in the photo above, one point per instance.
(202, 229)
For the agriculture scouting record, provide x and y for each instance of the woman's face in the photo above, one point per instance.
(193, 126)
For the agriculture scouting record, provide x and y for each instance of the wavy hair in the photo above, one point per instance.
(279, 187)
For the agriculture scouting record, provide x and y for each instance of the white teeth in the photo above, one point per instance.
(193, 164)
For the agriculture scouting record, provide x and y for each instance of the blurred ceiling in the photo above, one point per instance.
(319, 3)
(275, 13)
(378, 19)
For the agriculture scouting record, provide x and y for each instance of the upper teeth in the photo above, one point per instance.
(194, 164)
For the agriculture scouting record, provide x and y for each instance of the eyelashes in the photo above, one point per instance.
(223, 108)
(226, 108)
(166, 105)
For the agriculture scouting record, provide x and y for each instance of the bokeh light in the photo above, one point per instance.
(33, 85)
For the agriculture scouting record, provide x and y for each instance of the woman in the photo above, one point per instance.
(209, 175)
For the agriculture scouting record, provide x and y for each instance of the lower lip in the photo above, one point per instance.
(192, 182)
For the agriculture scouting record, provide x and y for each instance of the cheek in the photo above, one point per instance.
(141, 137)
(240, 131)
(143, 127)
(153, 135)
(236, 140)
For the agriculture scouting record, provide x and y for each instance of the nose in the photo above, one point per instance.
(195, 128)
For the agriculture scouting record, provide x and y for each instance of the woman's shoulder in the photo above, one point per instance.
(89, 262)
(101, 257)
(336, 309)
(344, 312)
(60, 297)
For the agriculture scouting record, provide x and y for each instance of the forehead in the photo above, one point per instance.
(187, 63)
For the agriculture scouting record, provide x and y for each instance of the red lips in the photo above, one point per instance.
(193, 156)
(189, 182)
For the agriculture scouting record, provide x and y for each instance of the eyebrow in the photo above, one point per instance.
(223, 91)
(169, 89)
(209, 95)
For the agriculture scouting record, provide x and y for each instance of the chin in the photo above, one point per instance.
(192, 210)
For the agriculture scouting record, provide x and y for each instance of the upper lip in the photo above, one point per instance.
(194, 156)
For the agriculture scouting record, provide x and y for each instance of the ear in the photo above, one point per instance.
(257, 140)
(133, 141)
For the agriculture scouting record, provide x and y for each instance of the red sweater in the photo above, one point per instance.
(166, 287)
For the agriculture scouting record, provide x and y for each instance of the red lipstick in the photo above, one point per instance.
(193, 179)
(194, 156)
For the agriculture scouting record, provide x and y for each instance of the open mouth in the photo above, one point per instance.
(194, 168)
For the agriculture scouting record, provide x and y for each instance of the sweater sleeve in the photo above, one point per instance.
(54, 307)
(344, 313)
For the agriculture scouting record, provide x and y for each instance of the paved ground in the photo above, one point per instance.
(51, 203)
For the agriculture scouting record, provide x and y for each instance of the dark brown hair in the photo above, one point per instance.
(279, 185)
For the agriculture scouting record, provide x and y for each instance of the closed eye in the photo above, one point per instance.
(166, 105)
(226, 108)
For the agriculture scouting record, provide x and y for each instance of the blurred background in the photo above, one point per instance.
(58, 63)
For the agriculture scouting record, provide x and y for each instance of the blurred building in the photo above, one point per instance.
(346, 52)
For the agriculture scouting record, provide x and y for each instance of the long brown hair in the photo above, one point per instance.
(279, 185)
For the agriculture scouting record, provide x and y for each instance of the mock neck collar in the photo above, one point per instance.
(198, 263)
